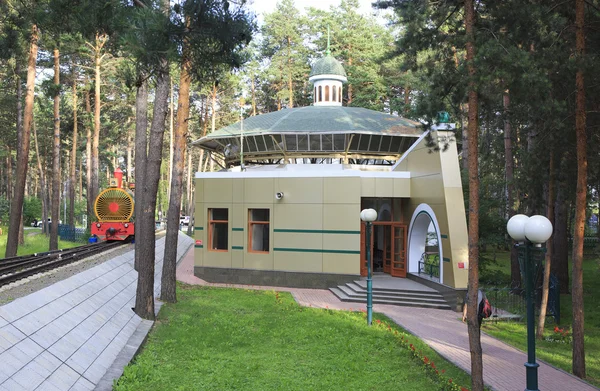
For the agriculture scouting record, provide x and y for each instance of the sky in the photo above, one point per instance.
(267, 6)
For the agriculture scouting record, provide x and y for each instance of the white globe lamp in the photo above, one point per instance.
(538, 229)
(516, 227)
(368, 215)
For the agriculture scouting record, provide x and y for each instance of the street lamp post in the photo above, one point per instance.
(368, 216)
(530, 233)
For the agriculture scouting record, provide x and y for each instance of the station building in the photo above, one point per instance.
(284, 210)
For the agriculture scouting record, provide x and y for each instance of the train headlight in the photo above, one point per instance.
(126, 225)
(98, 225)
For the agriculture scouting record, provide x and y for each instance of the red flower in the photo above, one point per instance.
(450, 381)
(378, 321)
(425, 360)
(464, 389)
(443, 371)
(412, 347)
(432, 365)
(556, 329)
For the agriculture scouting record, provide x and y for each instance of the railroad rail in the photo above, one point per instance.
(16, 268)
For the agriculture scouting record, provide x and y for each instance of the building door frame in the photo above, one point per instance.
(394, 260)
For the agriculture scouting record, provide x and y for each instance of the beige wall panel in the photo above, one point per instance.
(217, 258)
(428, 188)
(296, 240)
(199, 190)
(341, 217)
(258, 261)
(258, 190)
(298, 190)
(238, 190)
(450, 166)
(237, 258)
(342, 242)
(237, 217)
(298, 216)
(298, 261)
(341, 190)
(238, 238)
(384, 187)
(401, 187)
(341, 264)
(420, 162)
(458, 234)
(198, 256)
(218, 190)
(199, 216)
(367, 187)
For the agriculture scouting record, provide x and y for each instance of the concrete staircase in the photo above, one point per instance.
(408, 296)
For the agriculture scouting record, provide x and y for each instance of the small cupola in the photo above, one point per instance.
(328, 75)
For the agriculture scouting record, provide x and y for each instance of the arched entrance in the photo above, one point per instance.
(425, 255)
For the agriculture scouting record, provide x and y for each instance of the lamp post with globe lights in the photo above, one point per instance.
(530, 233)
(368, 216)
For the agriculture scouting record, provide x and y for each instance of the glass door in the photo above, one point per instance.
(398, 236)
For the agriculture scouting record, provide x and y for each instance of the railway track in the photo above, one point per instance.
(17, 268)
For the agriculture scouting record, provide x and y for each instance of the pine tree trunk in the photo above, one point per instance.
(472, 316)
(16, 205)
(290, 78)
(548, 264)
(560, 239)
(100, 41)
(171, 127)
(55, 211)
(515, 272)
(145, 251)
(168, 291)
(580, 200)
(73, 174)
(88, 152)
(253, 89)
(141, 154)
(213, 107)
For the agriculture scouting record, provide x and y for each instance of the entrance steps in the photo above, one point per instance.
(412, 295)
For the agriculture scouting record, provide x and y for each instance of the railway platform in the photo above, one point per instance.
(79, 332)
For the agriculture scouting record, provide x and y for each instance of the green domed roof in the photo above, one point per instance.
(328, 66)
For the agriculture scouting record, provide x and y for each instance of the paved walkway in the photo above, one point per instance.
(503, 368)
(66, 336)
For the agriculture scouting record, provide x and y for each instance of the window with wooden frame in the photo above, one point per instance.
(218, 229)
(320, 93)
(258, 230)
(326, 93)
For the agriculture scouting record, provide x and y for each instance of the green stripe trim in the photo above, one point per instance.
(199, 228)
(314, 250)
(316, 231)
(237, 247)
(444, 236)
(237, 229)
(446, 259)
(199, 246)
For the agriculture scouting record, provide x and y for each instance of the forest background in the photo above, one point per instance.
(74, 76)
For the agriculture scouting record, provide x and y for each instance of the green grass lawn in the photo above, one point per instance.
(557, 353)
(233, 339)
(35, 242)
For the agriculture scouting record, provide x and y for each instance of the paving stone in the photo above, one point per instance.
(63, 378)
(47, 386)
(63, 349)
(46, 364)
(11, 385)
(82, 385)
(29, 348)
(3, 322)
(28, 377)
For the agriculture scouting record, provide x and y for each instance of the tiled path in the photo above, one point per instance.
(503, 368)
(65, 336)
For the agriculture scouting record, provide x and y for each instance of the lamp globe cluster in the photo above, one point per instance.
(537, 229)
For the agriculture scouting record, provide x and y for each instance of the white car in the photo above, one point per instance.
(185, 220)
